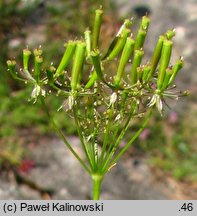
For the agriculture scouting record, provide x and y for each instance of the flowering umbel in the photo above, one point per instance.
(104, 104)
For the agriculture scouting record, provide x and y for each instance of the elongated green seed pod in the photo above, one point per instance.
(165, 59)
(136, 63)
(167, 77)
(146, 72)
(69, 51)
(126, 25)
(142, 32)
(97, 63)
(119, 45)
(92, 80)
(139, 42)
(26, 56)
(87, 35)
(38, 60)
(176, 68)
(12, 68)
(127, 51)
(170, 34)
(156, 56)
(77, 64)
(96, 28)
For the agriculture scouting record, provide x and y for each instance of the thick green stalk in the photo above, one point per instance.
(97, 180)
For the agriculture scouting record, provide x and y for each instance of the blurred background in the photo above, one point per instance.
(34, 164)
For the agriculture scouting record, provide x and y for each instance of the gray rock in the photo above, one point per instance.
(59, 171)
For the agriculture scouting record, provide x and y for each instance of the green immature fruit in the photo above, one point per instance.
(164, 62)
(26, 56)
(87, 35)
(167, 77)
(156, 56)
(97, 64)
(141, 35)
(38, 60)
(136, 63)
(119, 44)
(176, 68)
(127, 51)
(79, 57)
(96, 28)
(140, 39)
(92, 80)
(70, 48)
(146, 72)
(126, 25)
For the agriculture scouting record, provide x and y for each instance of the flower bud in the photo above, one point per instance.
(38, 52)
(70, 48)
(136, 63)
(165, 59)
(77, 64)
(127, 51)
(12, 67)
(96, 28)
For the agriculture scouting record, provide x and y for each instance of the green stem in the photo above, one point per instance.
(84, 146)
(97, 180)
(61, 135)
(133, 138)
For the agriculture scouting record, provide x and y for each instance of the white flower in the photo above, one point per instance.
(117, 117)
(156, 100)
(37, 91)
(113, 99)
